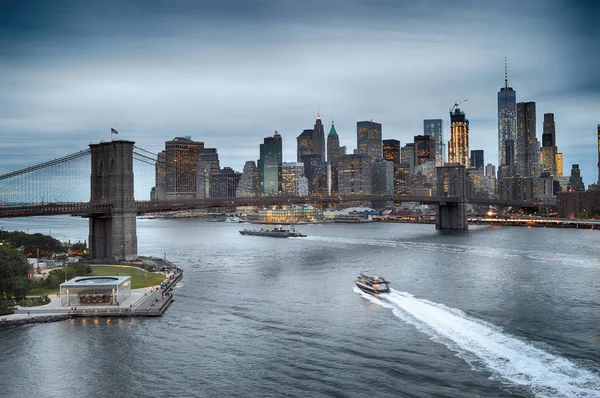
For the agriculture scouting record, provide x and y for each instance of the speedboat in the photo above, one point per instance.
(372, 284)
(273, 232)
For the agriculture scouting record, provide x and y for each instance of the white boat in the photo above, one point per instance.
(372, 284)
(233, 219)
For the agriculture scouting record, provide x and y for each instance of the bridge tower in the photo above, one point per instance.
(113, 234)
(452, 183)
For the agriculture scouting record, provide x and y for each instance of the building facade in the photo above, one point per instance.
(180, 156)
(354, 175)
(293, 181)
(434, 128)
(250, 181)
(458, 146)
(334, 151)
(424, 149)
(507, 119)
(304, 144)
(407, 155)
(527, 143)
(477, 159)
(382, 177)
(319, 139)
(549, 146)
(269, 165)
(391, 151)
(208, 173)
(368, 139)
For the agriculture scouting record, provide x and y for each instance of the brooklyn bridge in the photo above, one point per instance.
(101, 183)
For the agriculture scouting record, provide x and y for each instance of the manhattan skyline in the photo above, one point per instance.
(230, 74)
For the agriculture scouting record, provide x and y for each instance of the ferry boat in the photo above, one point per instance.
(233, 219)
(372, 284)
(273, 232)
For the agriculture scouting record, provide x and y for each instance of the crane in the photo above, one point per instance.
(456, 104)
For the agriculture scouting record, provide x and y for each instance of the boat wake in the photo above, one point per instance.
(483, 345)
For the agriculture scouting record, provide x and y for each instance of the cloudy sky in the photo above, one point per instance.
(231, 72)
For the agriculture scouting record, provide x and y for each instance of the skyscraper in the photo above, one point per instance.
(575, 180)
(507, 118)
(207, 181)
(333, 146)
(391, 151)
(477, 159)
(181, 165)
(433, 128)
(424, 149)
(368, 139)
(319, 138)
(304, 144)
(250, 181)
(354, 175)
(549, 145)
(407, 155)
(527, 144)
(458, 146)
(269, 165)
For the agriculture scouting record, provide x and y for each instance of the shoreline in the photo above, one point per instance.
(146, 302)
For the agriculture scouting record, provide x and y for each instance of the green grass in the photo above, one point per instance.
(139, 277)
(38, 291)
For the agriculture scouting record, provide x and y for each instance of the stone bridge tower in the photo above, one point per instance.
(113, 234)
(452, 184)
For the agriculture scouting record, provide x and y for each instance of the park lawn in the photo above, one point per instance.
(38, 291)
(139, 277)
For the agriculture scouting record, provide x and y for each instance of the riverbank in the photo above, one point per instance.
(144, 302)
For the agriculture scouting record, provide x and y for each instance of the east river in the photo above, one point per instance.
(490, 312)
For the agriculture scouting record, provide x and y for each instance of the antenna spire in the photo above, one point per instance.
(505, 73)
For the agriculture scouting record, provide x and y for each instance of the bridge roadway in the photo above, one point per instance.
(86, 209)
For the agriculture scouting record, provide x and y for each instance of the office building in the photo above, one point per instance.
(207, 178)
(334, 151)
(293, 181)
(181, 156)
(575, 180)
(407, 155)
(433, 128)
(458, 146)
(477, 159)
(382, 177)
(319, 139)
(559, 164)
(226, 183)
(269, 165)
(424, 149)
(304, 144)
(250, 181)
(391, 151)
(549, 146)
(507, 119)
(316, 172)
(368, 139)
(354, 175)
(527, 162)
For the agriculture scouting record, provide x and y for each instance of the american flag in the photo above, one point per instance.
(113, 131)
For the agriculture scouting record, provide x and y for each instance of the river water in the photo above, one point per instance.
(490, 312)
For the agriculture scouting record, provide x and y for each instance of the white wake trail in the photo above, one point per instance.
(507, 357)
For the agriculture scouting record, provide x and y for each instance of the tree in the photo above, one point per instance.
(13, 272)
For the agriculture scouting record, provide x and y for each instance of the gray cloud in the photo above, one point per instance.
(230, 73)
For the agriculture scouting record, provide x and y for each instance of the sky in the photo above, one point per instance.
(231, 72)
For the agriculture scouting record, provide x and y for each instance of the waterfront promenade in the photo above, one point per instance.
(150, 301)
